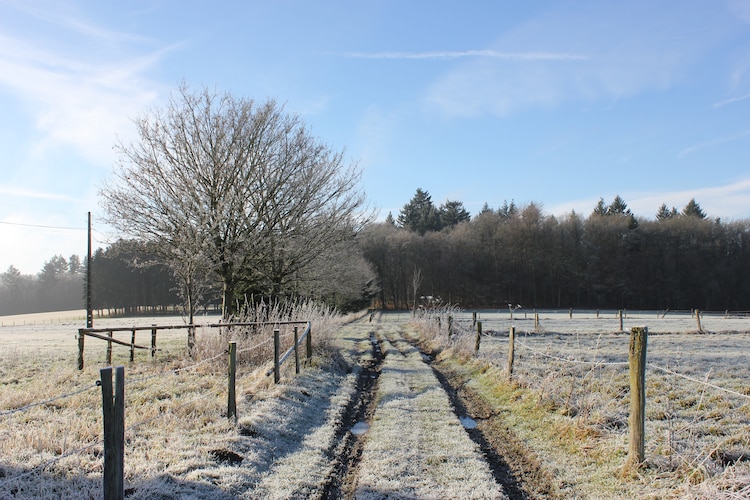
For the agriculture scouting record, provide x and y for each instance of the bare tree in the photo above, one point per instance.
(239, 184)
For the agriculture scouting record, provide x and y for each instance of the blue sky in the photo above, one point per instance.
(555, 102)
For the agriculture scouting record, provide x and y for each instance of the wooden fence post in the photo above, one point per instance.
(81, 337)
(191, 339)
(620, 319)
(698, 320)
(232, 394)
(109, 348)
(309, 343)
(276, 348)
(479, 338)
(132, 346)
(296, 351)
(473, 319)
(637, 420)
(511, 351)
(113, 409)
(536, 322)
(450, 328)
(153, 341)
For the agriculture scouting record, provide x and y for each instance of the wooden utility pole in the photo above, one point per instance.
(89, 310)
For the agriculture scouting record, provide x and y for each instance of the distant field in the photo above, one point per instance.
(56, 333)
(608, 321)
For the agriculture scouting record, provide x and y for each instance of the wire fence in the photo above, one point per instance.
(696, 374)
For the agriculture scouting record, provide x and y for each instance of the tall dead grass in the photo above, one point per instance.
(51, 417)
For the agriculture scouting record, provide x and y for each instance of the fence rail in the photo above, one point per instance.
(191, 328)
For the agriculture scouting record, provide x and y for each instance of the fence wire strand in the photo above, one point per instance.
(571, 361)
(698, 381)
(46, 401)
(40, 467)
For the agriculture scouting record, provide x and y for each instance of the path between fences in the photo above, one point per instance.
(382, 425)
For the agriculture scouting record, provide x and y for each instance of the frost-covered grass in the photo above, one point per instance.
(570, 399)
(177, 432)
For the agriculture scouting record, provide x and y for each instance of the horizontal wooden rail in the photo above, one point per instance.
(114, 340)
(97, 333)
(178, 327)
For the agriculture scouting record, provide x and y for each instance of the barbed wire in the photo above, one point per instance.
(161, 414)
(571, 361)
(46, 401)
(626, 363)
(40, 467)
(692, 379)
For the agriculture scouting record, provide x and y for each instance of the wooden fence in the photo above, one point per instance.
(113, 399)
(107, 334)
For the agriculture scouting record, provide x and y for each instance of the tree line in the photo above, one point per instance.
(125, 280)
(224, 200)
(521, 256)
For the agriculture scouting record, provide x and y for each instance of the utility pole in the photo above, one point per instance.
(89, 311)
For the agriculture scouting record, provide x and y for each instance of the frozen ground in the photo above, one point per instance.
(286, 443)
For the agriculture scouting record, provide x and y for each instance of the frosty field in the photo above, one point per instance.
(567, 404)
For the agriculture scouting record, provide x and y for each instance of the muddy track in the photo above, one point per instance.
(516, 467)
(513, 465)
(347, 454)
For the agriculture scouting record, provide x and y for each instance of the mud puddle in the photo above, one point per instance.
(352, 433)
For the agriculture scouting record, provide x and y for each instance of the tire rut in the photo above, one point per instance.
(347, 454)
(513, 465)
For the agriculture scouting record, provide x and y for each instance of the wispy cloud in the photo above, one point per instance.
(38, 195)
(76, 98)
(595, 54)
(730, 101)
(715, 142)
(455, 54)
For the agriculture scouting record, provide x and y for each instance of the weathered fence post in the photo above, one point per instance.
(81, 337)
(309, 343)
(296, 351)
(620, 319)
(276, 347)
(113, 409)
(232, 372)
(511, 351)
(536, 322)
(473, 319)
(109, 348)
(637, 420)
(698, 320)
(191, 339)
(450, 328)
(153, 341)
(570, 313)
(479, 338)
(132, 346)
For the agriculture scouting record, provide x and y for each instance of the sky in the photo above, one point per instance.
(556, 102)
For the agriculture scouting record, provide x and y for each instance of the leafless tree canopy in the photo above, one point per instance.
(234, 189)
